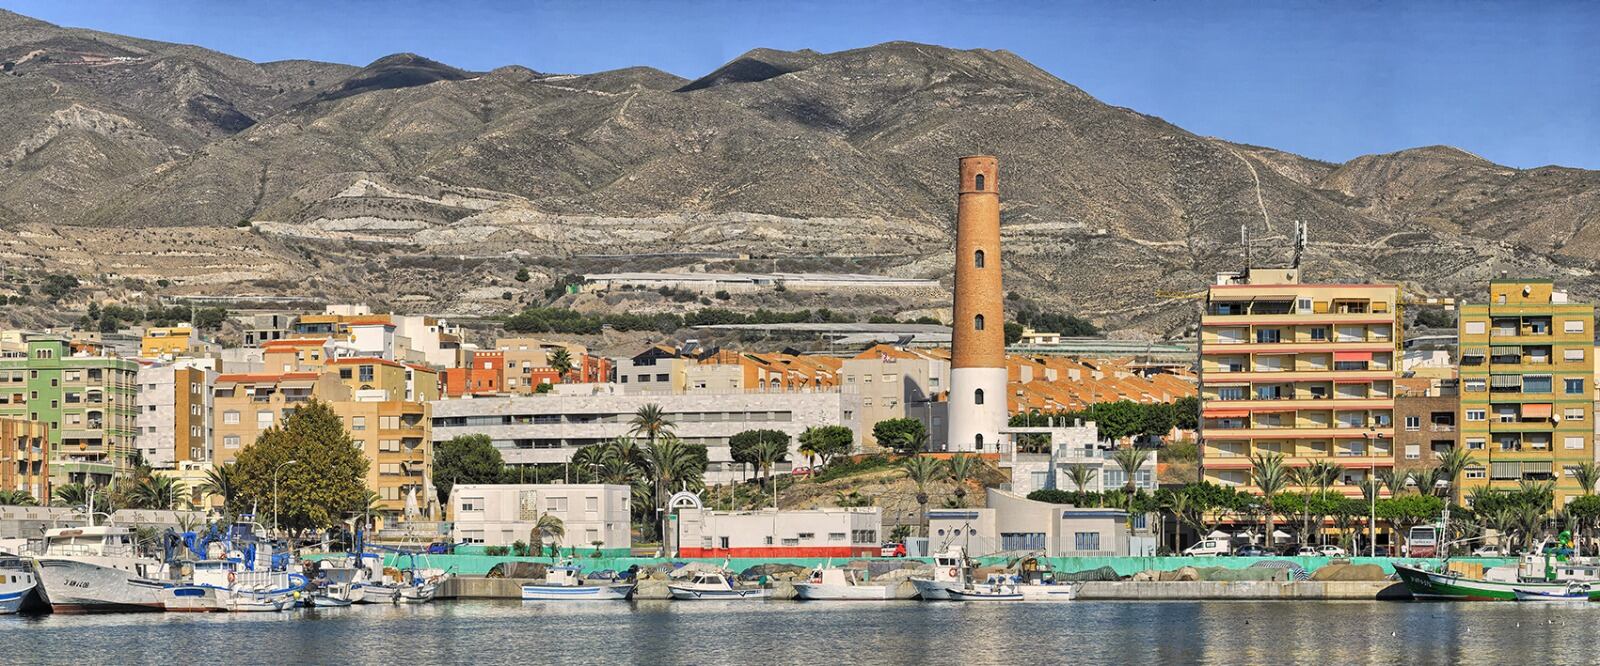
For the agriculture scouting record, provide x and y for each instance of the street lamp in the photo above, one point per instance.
(275, 471)
(1443, 487)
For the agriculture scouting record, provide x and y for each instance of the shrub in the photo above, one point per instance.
(519, 548)
(847, 467)
(496, 551)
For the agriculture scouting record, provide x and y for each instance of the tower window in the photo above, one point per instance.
(978, 442)
(977, 397)
(977, 182)
(977, 259)
(977, 322)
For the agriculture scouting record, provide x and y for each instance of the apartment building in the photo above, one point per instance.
(484, 373)
(246, 404)
(549, 428)
(168, 341)
(25, 457)
(1425, 413)
(659, 369)
(895, 383)
(1526, 386)
(1303, 370)
(87, 399)
(502, 514)
(173, 420)
(266, 327)
(527, 363)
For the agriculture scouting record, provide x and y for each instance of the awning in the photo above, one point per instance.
(1473, 351)
(1535, 410)
(1352, 356)
(1227, 413)
(1505, 381)
(1536, 467)
(1506, 350)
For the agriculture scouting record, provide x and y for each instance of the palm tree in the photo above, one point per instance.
(221, 481)
(549, 527)
(1455, 461)
(588, 459)
(1129, 460)
(1587, 474)
(670, 464)
(560, 360)
(922, 471)
(651, 422)
(962, 468)
(1082, 474)
(618, 472)
(808, 449)
(1269, 474)
(767, 454)
(157, 492)
(17, 498)
(73, 494)
(626, 449)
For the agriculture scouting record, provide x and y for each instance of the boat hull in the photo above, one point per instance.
(819, 592)
(576, 592)
(1565, 597)
(971, 595)
(1048, 592)
(934, 590)
(420, 594)
(195, 599)
(75, 586)
(378, 594)
(12, 596)
(1448, 586)
(687, 593)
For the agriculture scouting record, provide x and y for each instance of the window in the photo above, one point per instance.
(977, 322)
(230, 442)
(1319, 334)
(977, 259)
(1572, 443)
(1474, 327)
(1083, 541)
(1475, 444)
(1538, 384)
(1476, 473)
(1572, 414)
(977, 182)
(344, 373)
(263, 420)
(1413, 451)
(366, 373)
(358, 423)
(1413, 423)
(1476, 415)
(1572, 354)
(1572, 326)
(977, 397)
(1268, 335)
(1230, 393)
(1574, 387)
(1475, 385)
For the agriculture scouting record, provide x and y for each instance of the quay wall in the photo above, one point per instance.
(468, 587)
(478, 565)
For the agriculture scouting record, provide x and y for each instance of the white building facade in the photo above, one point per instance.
(502, 514)
(834, 532)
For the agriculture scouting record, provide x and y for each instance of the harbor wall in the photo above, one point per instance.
(478, 565)
(1243, 590)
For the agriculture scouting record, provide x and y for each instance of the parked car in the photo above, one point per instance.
(1488, 551)
(1289, 550)
(1207, 548)
(802, 471)
(1306, 551)
(1331, 551)
(1252, 550)
(892, 550)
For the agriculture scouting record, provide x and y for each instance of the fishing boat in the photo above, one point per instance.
(97, 569)
(1573, 593)
(1037, 581)
(334, 596)
(16, 584)
(1448, 585)
(951, 570)
(836, 584)
(236, 572)
(566, 583)
(715, 586)
(996, 588)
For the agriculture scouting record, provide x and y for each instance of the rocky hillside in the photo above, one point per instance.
(419, 186)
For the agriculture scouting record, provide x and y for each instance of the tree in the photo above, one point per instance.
(522, 275)
(1435, 318)
(1586, 474)
(220, 482)
(1406, 511)
(17, 498)
(1082, 474)
(1186, 410)
(1013, 333)
(767, 454)
(561, 361)
(77, 494)
(1158, 419)
(1454, 462)
(962, 468)
(1129, 460)
(670, 465)
(922, 471)
(905, 435)
(57, 287)
(651, 422)
(327, 481)
(548, 528)
(827, 442)
(465, 459)
(1585, 511)
(542, 388)
(1270, 476)
(741, 446)
(1117, 420)
(157, 492)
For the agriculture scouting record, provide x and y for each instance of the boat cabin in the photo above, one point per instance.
(93, 541)
(563, 576)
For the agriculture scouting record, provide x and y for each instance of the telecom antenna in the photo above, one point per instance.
(1301, 231)
(1244, 239)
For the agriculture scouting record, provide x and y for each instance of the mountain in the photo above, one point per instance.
(416, 185)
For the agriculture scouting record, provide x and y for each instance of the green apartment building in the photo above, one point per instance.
(1527, 386)
(86, 398)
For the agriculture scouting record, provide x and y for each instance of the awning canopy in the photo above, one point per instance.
(1536, 467)
(1473, 351)
(1505, 381)
(1506, 350)
(1536, 410)
(1227, 413)
(1352, 356)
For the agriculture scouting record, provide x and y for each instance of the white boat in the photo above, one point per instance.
(566, 583)
(420, 593)
(236, 573)
(1573, 593)
(997, 588)
(714, 586)
(97, 569)
(835, 584)
(16, 583)
(951, 570)
(329, 598)
(249, 603)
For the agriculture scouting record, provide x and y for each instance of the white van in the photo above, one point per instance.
(1208, 548)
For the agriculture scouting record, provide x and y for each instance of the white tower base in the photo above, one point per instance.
(975, 427)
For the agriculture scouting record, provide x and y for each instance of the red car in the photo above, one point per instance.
(892, 550)
(802, 471)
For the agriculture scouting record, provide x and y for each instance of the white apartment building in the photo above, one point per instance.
(499, 515)
(432, 341)
(1013, 524)
(549, 428)
(173, 419)
(1068, 447)
(831, 532)
(899, 383)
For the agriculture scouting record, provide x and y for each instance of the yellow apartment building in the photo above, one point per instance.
(1304, 370)
(1527, 386)
(166, 341)
(25, 457)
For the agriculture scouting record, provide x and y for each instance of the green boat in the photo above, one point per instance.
(1425, 584)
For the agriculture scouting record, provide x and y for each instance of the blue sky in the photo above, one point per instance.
(1515, 82)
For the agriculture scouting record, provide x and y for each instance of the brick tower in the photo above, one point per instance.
(977, 409)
